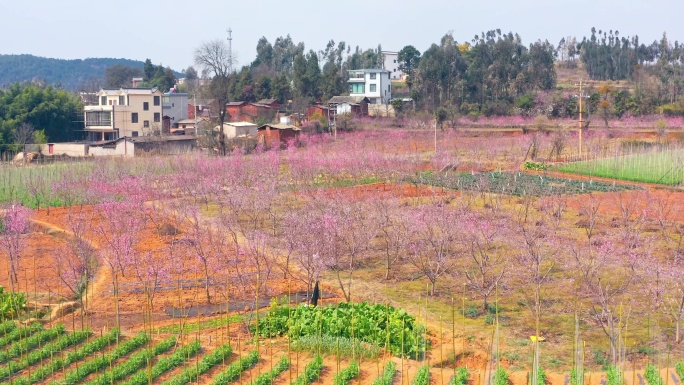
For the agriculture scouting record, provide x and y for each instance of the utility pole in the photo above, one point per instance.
(580, 119)
(230, 50)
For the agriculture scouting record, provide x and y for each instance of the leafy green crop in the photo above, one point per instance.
(164, 364)
(500, 376)
(7, 326)
(387, 376)
(679, 368)
(311, 372)
(345, 376)
(19, 333)
(422, 376)
(57, 362)
(652, 375)
(541, 376)
(25, 346)
(268, 377)
(374, 324)
(613, 375)
(342, 346)
(460, 378)
(208, 361)
(11, 304)
(101, 362)
(45, 352)
(232, 372)
(135, 362)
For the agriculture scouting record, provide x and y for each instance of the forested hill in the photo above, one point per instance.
(70, 74)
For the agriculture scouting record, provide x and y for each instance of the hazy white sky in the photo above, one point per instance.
(168, 31)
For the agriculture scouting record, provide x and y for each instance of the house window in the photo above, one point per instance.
(156, 117)
(395, 61)
(389, 75)
(103, 100)
(372, 88)
(372, 76)
(351, 88)
(121, 100)
(167, 100)
(146, 123)
(134, 134)
(146, 106)
(156, 100)
(134, 117)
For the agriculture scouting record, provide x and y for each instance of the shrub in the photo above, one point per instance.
(422, 376)
(232, 372)
(387, 376)
(11, 305)
(311, 372)
(471, 311)
(460, 378)
(541, 376)
(345, 376)
(208, 361)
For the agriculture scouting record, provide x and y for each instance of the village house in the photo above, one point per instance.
(374, 83)
(175, 109)
(391, 63)
(238, 129)
(277, 134)
(124, 112)
(263, 110)
(356, 105)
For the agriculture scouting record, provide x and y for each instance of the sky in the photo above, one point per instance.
(168, 31)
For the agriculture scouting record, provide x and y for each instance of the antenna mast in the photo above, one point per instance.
(230, 50)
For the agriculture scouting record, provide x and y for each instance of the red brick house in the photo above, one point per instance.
(272, 135)
(253, 112)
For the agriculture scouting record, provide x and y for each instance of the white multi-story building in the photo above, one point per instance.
(126, 112)
(374, 83)
(391, 63)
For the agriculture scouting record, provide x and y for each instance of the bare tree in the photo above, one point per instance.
(24, 134)
(216, 60)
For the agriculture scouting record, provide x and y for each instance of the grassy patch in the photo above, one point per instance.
(660, 166)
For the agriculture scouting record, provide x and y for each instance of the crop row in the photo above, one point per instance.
(268, 377)
(58, 362)
(679, 368)
(15, 334)
(460, 377)
(208, 361)
(30, 343)
(233, 371)
(101, 362)
(311, 372)
(652, 375)
(164, 364)
(387, 376)
(135, 362)
(7, 326)
(422, 376)
(46, 351)
(347, 374)
(500, 376)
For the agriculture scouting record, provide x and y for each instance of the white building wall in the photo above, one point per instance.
(391, 63)
(121, 148)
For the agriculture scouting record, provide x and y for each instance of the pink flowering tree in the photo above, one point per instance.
(15, 223)
(118, 234)
(482, 237)
(77, 260)
(151, 270)
(432, 248)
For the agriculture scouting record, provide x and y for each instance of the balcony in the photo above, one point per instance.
(98, 117)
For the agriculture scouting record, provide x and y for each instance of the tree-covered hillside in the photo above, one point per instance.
(70, 74)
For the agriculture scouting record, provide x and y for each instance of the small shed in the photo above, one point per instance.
(238, 129)
(355, 105)
(277, 134)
